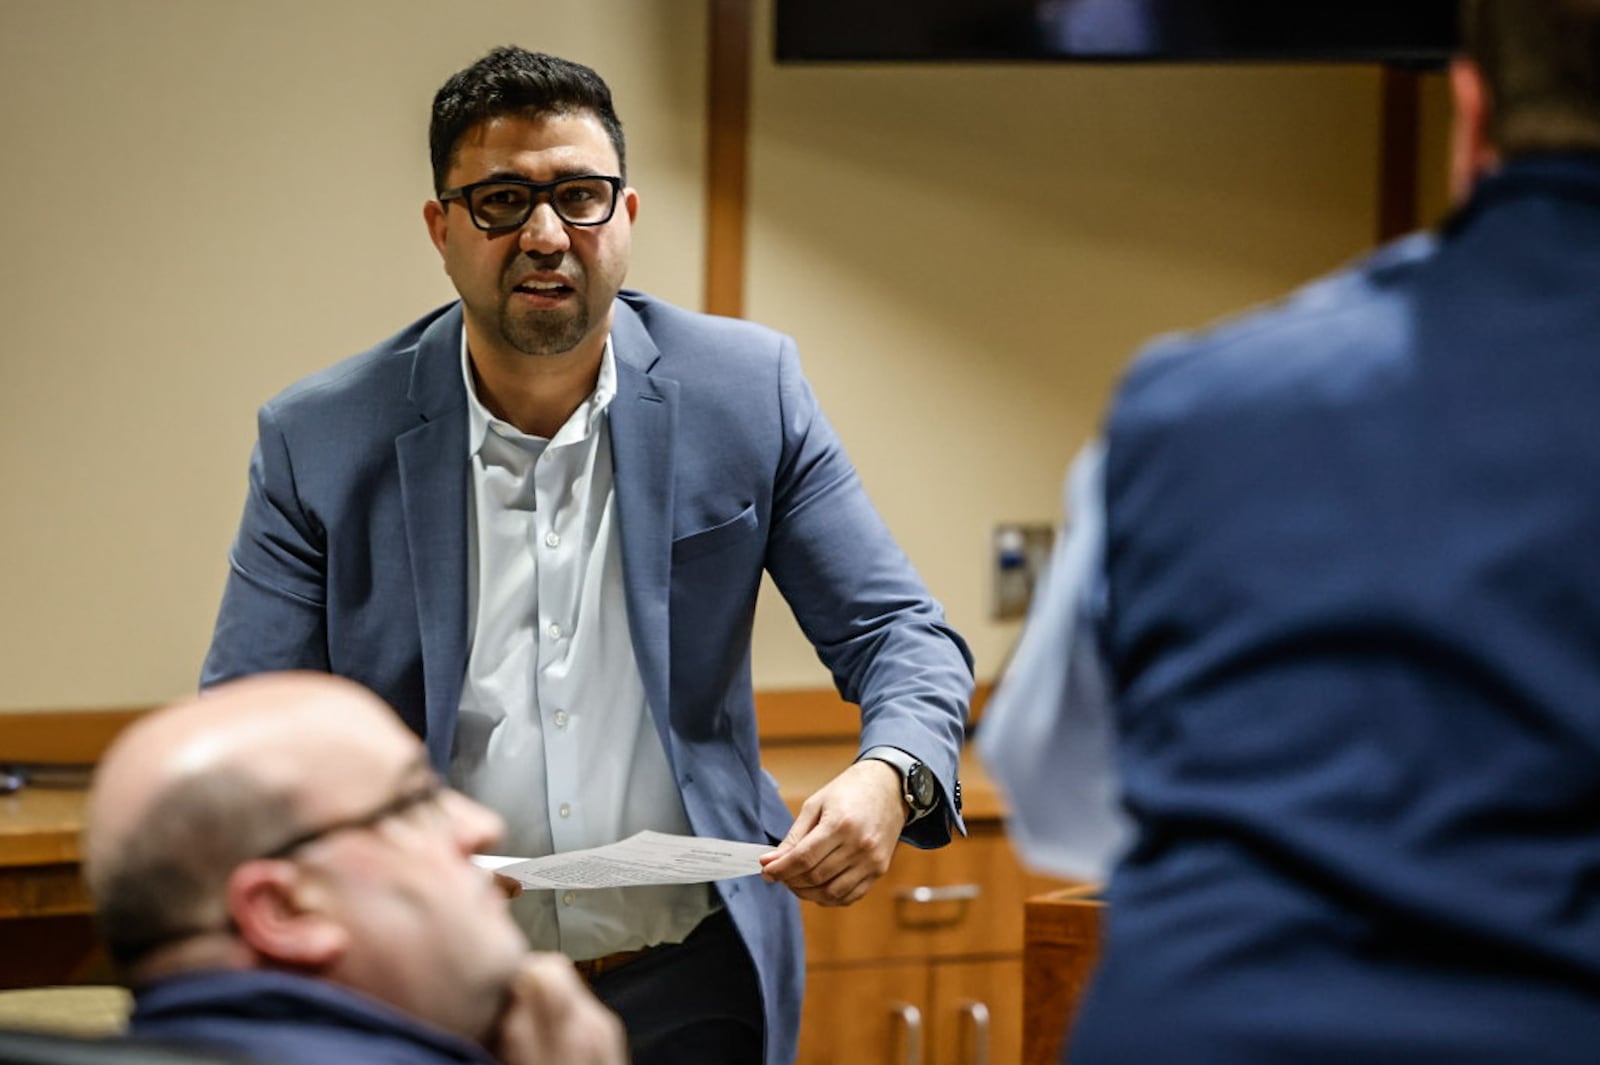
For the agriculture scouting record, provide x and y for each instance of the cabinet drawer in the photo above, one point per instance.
(865, 1015)
(963, 899)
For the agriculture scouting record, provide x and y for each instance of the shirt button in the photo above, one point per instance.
(561, 719)
(566, 809)
(568, 898)
(554, 630)
(552, 539)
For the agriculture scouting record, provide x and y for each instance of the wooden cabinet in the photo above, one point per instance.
(1061, 947)
(46, 933)
(977, 1013)
(864, 1013)
(927, 969)
(940, 1013)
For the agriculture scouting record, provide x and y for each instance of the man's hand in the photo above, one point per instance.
(553, 1017)
(844, 837)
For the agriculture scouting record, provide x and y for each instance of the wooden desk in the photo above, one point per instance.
(39, 853)
(46, 933)
(1060, 947)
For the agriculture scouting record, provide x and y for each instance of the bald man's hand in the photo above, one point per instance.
(553, 1017)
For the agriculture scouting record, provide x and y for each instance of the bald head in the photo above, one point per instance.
(291, 822)
(190, 792)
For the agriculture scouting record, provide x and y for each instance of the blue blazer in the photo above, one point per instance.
(351, 558)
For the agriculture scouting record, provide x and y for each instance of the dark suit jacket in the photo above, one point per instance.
(268, 1016)
(1353, 561)
(351, 558)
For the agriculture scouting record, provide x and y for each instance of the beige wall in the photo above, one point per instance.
(969, 255)
(205, 200)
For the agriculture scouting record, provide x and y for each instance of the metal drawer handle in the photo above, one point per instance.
(948, 893)
(979, 1015)
(911, 1017)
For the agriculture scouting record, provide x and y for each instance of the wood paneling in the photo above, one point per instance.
(1061, 949)
(47, 951)
(43, 891)
(964, 900)
(727, 129)
(78, 737)
(39, 826)
(813, 714)
(802, 768)
(977, 1016)
(861, 1015)
(1399, 150)
(61, 737)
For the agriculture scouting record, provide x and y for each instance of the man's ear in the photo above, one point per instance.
(266, 900)
(433, 216)
(1472, 149)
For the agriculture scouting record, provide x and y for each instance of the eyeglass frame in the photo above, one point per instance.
(541, 192)
(410, 799)
(405, 802)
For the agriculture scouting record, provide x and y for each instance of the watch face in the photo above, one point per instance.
(920, 786)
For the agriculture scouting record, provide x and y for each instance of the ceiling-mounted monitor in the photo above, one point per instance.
(1417, 32)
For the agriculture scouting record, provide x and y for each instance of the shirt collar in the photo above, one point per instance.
(479, 420)
(1562, 175)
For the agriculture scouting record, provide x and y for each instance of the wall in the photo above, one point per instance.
(203, 201)
(206, 200)
(968, 255)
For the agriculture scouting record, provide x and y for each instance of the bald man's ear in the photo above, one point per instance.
(267, 901)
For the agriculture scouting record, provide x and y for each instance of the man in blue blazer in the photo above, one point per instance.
(1339, 565)
(535, 521)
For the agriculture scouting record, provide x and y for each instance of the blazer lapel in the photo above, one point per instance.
(433, 490)
(642, 420)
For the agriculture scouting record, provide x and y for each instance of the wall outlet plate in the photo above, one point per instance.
(1020, 552)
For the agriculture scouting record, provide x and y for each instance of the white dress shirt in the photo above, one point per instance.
(1048, 735)
(554, 733)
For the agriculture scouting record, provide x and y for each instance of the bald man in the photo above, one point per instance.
(279, 871)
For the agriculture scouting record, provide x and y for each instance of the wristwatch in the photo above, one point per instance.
(917, 784)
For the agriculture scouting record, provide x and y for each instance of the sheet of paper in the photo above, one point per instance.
(643, 858)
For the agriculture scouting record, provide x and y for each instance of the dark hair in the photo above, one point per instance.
(1541, 62)
(514, 81)
(167, 879)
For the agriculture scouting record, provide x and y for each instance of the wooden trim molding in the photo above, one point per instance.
(1061, 942)
(79, 737)
(61, 737)
(809, 715)
(727, 134)
(1399, 149)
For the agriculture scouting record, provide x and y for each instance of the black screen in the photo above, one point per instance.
(1404, 31)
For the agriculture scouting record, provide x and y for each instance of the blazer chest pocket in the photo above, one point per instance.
(710, 541)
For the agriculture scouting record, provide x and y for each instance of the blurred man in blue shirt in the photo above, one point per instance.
(1331, 594)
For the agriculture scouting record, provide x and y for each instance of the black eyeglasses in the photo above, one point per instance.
(417, 798)
(505, 203)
